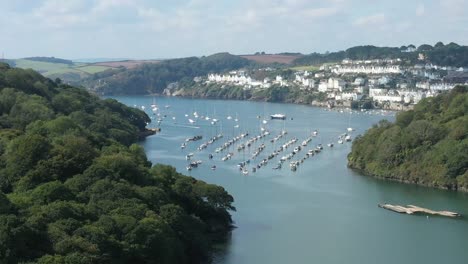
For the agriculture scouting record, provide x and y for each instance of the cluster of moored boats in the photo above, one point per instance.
(255, 147)
(209, 142)
(231, 142)
(190, 139)
(259, 149)
(252, 140)
(295, 163)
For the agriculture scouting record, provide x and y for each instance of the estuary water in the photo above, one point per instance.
(321, 213)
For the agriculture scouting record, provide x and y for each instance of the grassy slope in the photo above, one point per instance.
(54, 69)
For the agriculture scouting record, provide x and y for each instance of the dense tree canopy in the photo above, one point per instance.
(451, 54)
(154, 78)
(427, 145)
(50, 59)
(75, 189)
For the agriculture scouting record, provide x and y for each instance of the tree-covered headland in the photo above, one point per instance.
(426, 146)
(74, 188)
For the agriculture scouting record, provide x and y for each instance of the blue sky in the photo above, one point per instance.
(178, 28)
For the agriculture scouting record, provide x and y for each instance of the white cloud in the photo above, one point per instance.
(372, 20)
(60, 14)
(319, 12)
(149, 28)
(420, 9)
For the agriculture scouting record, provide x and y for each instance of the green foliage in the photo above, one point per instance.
(75, 189)
(49, 59)
(427, 145)
(154, 78)
(447, 55)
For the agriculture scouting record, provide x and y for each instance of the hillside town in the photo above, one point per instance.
(385, 83)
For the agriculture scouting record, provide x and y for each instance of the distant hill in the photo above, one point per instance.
(426, 146)
(451, 54)
(96, 60)
(272, 58)
(129, 64)
(154, 78)
(71, 72)
(50, 59)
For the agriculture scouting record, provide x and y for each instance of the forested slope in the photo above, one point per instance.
(74, 189)
(154, 78)
(426, 146)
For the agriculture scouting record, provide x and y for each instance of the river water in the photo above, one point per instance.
(321, 213)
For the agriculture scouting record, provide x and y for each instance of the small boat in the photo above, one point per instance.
(348, 138)
(189, 156)
(340, 141)
(350, 129)
(245, 171)
(278, 116)
(191, 121)
(194, 138)
(213, 167)
(189, 168)
(330, 145)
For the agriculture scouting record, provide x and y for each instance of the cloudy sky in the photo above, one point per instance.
(176, 28)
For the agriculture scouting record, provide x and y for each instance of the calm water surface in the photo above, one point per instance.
(323, 212)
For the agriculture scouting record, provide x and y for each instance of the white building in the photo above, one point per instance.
(358, 81)
(388, 98)
(423, 85)
(374, 92)
(412, 96)
(336, 84)
(441, 86)
(323, 86)
(319, 75)
(359, 89)
(351, 96)
(374, 69)
(383, 80)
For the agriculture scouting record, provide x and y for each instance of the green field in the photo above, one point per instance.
(91, 69)
(67, 72)
(42, 67)
(305, 68)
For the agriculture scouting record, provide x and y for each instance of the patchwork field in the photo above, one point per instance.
(266, 59)
(129, 64)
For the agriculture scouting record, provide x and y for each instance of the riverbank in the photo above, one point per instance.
(148, 132)
(446, 187)
(331, 104)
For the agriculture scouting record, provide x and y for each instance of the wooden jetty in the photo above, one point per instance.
(412, 209)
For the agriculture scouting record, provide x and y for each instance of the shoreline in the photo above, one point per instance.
(453, 188)
(148, 132)
(313, 104)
